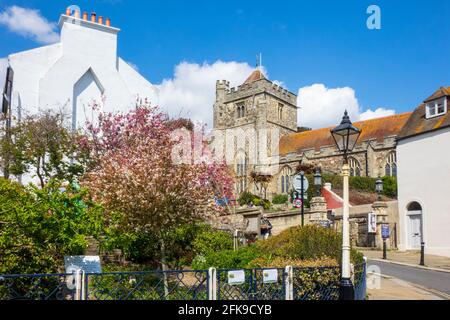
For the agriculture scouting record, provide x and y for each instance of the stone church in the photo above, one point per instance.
(259, 105)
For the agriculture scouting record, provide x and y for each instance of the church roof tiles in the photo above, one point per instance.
(371, 129)
(255, 76)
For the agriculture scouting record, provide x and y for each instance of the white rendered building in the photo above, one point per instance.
(80, 70)
(423, 156)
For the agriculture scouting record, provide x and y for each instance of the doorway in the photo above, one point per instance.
(415, 236)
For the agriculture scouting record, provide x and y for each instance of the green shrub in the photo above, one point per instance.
(306, 243)
(226, 259)
(390, 186)
(366, 184)
(257, 202)
(246, 198)
(212, 241)
(266, 204)
(280, 199)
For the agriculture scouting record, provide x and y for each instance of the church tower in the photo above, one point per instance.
(259, 106)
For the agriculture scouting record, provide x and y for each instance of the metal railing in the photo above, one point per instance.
(254, 287)
(360, 281)
(38, 287)
(149, 285)
(290, 283)
(316, 283)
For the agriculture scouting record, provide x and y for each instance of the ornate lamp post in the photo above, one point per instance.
(345, 136)
(318, 182)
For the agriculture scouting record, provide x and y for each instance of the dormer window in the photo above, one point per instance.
(436, 108)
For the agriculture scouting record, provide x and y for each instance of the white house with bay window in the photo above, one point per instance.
(423, 156)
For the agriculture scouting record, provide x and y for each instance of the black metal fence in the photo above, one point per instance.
(151, 285)
(318, 283)
(360, 281)
(38, 287)
(253, 288)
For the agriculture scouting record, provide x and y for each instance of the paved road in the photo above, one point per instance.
(430, 279)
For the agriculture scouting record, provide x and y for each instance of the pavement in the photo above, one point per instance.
(400, 277)
(410, 258)
(390, 288)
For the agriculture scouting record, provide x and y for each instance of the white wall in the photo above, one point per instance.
(83, 67)
(424, 177)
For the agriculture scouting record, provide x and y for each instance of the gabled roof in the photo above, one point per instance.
(371, 129)
(419, 124)
(255, 76)
(441, 92)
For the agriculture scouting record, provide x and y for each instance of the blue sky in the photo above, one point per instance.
(302, 42)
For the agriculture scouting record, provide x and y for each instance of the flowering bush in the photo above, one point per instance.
(132, 171)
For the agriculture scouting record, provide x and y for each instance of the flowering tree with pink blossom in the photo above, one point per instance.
(132, 173)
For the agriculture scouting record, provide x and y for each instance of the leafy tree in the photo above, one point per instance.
(38, 227)
(42, 146)
(132, 173)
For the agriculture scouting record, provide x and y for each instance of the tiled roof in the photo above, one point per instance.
(371, 129)
(332, 199)
(419, 124)
(441, 92)
(255, 76)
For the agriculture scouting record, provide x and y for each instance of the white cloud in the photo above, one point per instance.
(378, 113)
(3, 67)
(323, 107)
(29, 23)
(191, 91)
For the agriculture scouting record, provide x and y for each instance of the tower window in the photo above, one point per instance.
(280, 111)
(240, 110)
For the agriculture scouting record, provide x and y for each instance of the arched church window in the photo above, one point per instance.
(391, 165)
(355, 167)
(241, 174)
(240, 110)
(285, 179)
(280, 111)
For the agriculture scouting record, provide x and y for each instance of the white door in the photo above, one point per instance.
(415, 231)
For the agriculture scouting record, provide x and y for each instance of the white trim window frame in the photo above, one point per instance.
(432, 108)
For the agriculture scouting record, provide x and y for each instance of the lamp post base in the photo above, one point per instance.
(347, 290)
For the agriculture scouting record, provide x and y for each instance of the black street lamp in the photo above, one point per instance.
(345, 136)
(379, 188)
(318, 182)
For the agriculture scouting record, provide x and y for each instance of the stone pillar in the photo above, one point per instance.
(92, 248)
(380, 209)
(318, 211)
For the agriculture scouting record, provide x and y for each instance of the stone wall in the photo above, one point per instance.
(387, 214)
